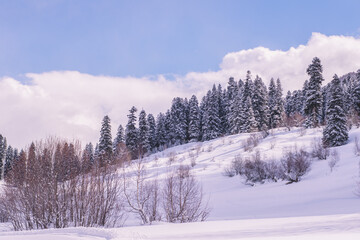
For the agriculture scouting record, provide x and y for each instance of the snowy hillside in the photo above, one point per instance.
(323, 204)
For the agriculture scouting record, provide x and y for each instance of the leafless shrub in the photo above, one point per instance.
(273, 171)
(272, 142)
(210, 148)
(183, 197)
(197, 149)
(302, 131)
(255, 169)
(251, 142)
(193, 161)
(295, 164)
(172, 157)
(229, 171)
(142, 197)
(55, 193)
(334, 159)
(319, 151)
(356, 146)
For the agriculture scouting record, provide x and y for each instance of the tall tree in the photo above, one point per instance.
(335, 132)
(313, 102)
(143, 137)
(194, 119)
(152, 131)
(3, 148)
(274, 107)
(260, 104)
(120, 137)
(105, 142)
(131, 133)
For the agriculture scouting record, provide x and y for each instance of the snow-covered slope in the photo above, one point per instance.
(324, 203)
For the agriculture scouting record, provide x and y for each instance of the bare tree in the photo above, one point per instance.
(142, 196)
(183, 197)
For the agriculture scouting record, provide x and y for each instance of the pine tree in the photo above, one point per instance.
(289, 104)
(313, 102)
(161, 140)
(356, 93)
(3, 148)
(249, 123)
(120, 138)
(260, 104)
(274, 107)
(194, 119)
(8, 161)
(152, 132)
(87, 159)
(105, 142)
(212, 121)
(335, 132)
(280, 101)
(131, 133)
(143, 137)
(178, 121)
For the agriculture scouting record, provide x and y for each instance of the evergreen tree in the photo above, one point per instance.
(280, 101)
(356, 93)
(178, 121)
(120, 138)
(105, 142)
(249, 123)
(152, 132)
(213, 122)
(335, 132)
(8, 161)
(289, 104)
(161, 138)
(3, 148)
(194, 119)
(260, 104)
(131, 133)
(274, 107)
(143, 137)
(87, 159)
(313, 101)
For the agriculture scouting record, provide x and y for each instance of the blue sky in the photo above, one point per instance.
(141, 38)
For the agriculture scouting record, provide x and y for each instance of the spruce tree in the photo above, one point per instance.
(120, 138)
(3, 148)
(274, 107)
(178, 121)
(335, 132)
(8, 161)
(161, 140)
(131, 133)
(260, 104)
(356, 93)
(152, 132)
(194, 119)
(105, 142)
(143, 137)
(313, 101)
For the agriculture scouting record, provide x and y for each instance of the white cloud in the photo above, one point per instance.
(71, 104)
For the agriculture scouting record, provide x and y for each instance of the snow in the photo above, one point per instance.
(321, 206)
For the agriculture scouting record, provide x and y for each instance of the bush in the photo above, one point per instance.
(251, 142)
(334, 159)
(235, 168)
(319, 151)
(255, 169)
(183, 197)
(295, 164)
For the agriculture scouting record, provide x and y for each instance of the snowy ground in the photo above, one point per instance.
(322, 206)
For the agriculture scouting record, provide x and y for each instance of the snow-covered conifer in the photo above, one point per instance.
(335, 132)
(313, 101)
(131, 133)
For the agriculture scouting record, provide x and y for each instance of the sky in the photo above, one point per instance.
(66, 64)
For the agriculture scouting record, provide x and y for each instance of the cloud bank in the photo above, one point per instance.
(71, 104)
